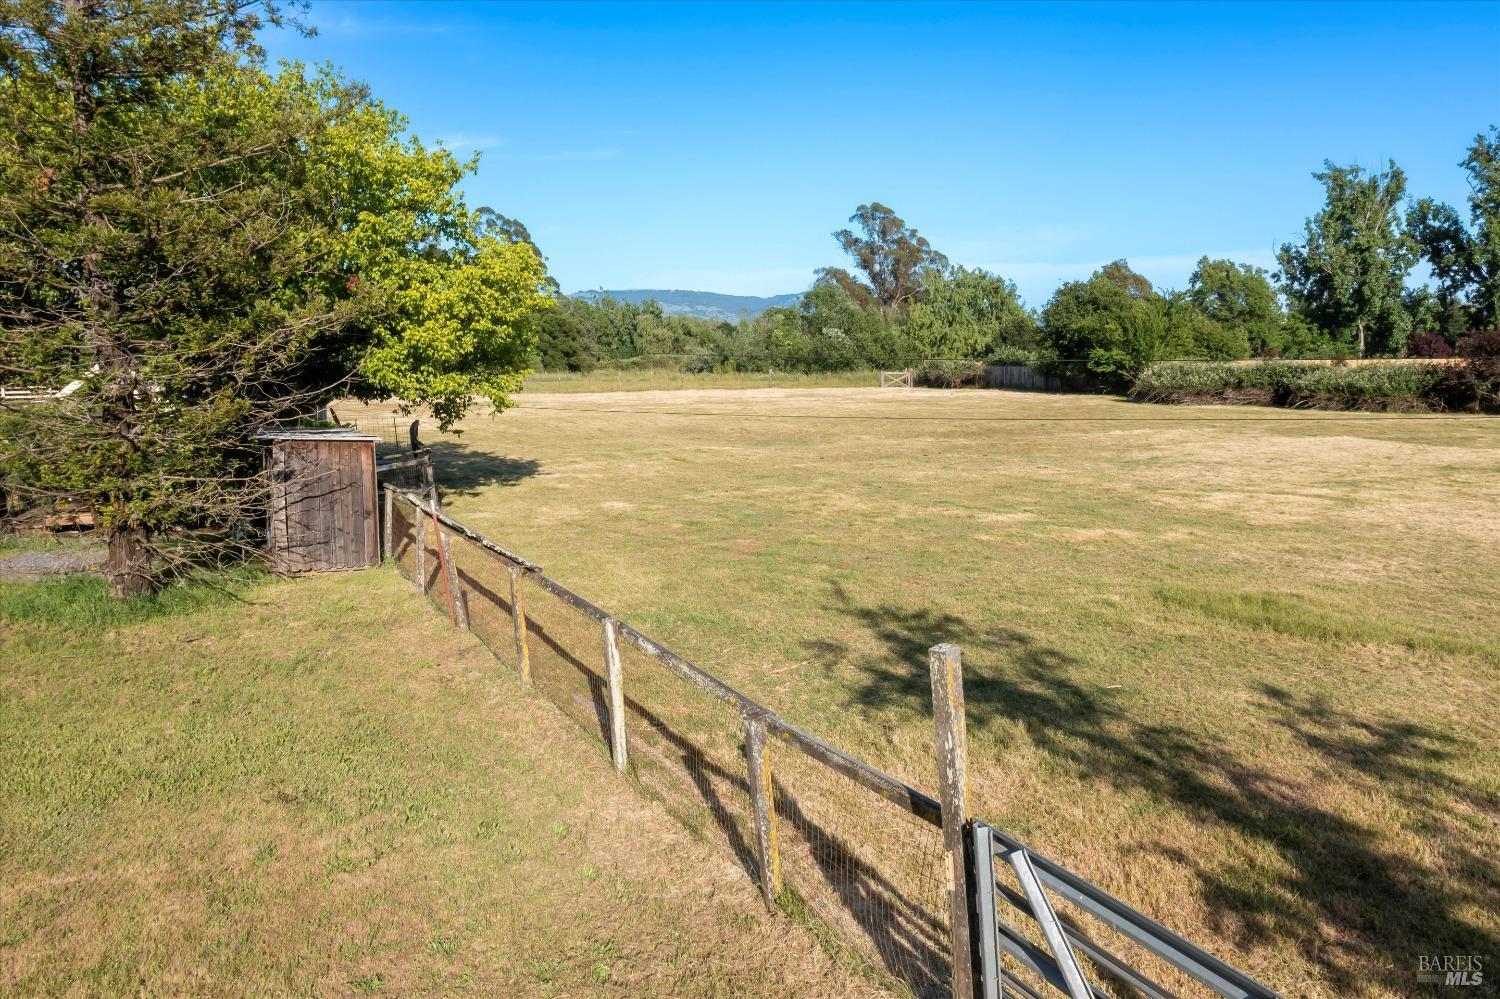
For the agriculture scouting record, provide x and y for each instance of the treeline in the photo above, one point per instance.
(1342, 291)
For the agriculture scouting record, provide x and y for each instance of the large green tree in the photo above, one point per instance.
(892, 256)
(197, 248)
(1115, 324)
(1238, 297)
(1348, 273)
(1465, 260)
(969, 315)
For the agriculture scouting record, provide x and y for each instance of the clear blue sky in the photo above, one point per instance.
(716, 146)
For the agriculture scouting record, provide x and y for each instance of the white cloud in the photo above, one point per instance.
(561, 155)
(355, 25)
(470, 141)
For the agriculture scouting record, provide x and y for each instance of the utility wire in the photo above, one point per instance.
(1342, 418)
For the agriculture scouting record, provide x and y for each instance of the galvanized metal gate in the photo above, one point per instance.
(1055, 960)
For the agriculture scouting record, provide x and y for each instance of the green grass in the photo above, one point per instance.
(11, 544)
(1308, 616)
(1233, 664)
(315, 787)
(81, 601)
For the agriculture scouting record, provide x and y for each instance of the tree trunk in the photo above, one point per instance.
(1361, 327)
(129, 566)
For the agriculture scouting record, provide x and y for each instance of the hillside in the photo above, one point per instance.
(700, 304)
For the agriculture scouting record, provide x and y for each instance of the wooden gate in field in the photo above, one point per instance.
(323, 509)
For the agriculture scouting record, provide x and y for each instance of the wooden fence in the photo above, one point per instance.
(1019, 376)
(881, 865)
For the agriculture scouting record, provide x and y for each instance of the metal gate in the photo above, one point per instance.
(1054, 960)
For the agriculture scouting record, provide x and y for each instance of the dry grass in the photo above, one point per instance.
(1238, 666)
(316, 788)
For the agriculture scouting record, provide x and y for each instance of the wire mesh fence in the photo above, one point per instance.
(567, 660)
(484, 588)
(883, 894)
(687, 751)
(866, 872)
(858, 855)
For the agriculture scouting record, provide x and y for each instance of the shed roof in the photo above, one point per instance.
(314, 434)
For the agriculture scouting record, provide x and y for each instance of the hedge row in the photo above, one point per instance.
(1288, 383)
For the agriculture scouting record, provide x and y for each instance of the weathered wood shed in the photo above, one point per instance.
(323, 509)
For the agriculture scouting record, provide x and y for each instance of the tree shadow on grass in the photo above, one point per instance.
(461, 470)
(1339, 891)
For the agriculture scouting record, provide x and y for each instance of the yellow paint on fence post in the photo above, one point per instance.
(518, 618)
(763, 805)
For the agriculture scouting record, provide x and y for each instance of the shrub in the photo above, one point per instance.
(950, 374)
(1428, 344)
(1288, 383)
(1014, 355)
(1475, 384)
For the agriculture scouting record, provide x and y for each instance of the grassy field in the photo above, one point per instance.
(317, 788)
(1237, 665)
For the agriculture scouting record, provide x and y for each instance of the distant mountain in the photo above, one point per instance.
(700, 304)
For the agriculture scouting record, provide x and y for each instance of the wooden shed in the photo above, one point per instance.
(323, 509)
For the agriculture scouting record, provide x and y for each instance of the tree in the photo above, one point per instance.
(892, 256)
(1115, 325)
(970, 315)
(503, 227)
(1465, 262)
(560, 343)
(1238, 297)
(1079, 313)
(206, 249)
(1349, 272)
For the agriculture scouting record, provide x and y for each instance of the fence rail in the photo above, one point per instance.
(866, 855)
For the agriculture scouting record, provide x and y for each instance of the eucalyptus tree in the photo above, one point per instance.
(890, 254)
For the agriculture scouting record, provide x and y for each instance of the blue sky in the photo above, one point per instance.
(717, 146)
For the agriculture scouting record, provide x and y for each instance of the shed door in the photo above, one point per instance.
(323, 506)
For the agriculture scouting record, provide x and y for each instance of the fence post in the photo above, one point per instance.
(388, 531)
(946, 666)
(429, 480)
(421, 551)
(763, 805)
(457, 607)
(616, 676)
(518, 618)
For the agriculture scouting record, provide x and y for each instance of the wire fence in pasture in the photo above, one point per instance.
(907, 887)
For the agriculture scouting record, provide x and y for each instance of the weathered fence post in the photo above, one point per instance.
(518, 618)
(616, 676)
(457, 609)
(763, 805)
(421, 551)
(389, 530)
(445, 567)
(946, 666)
(429, 480)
